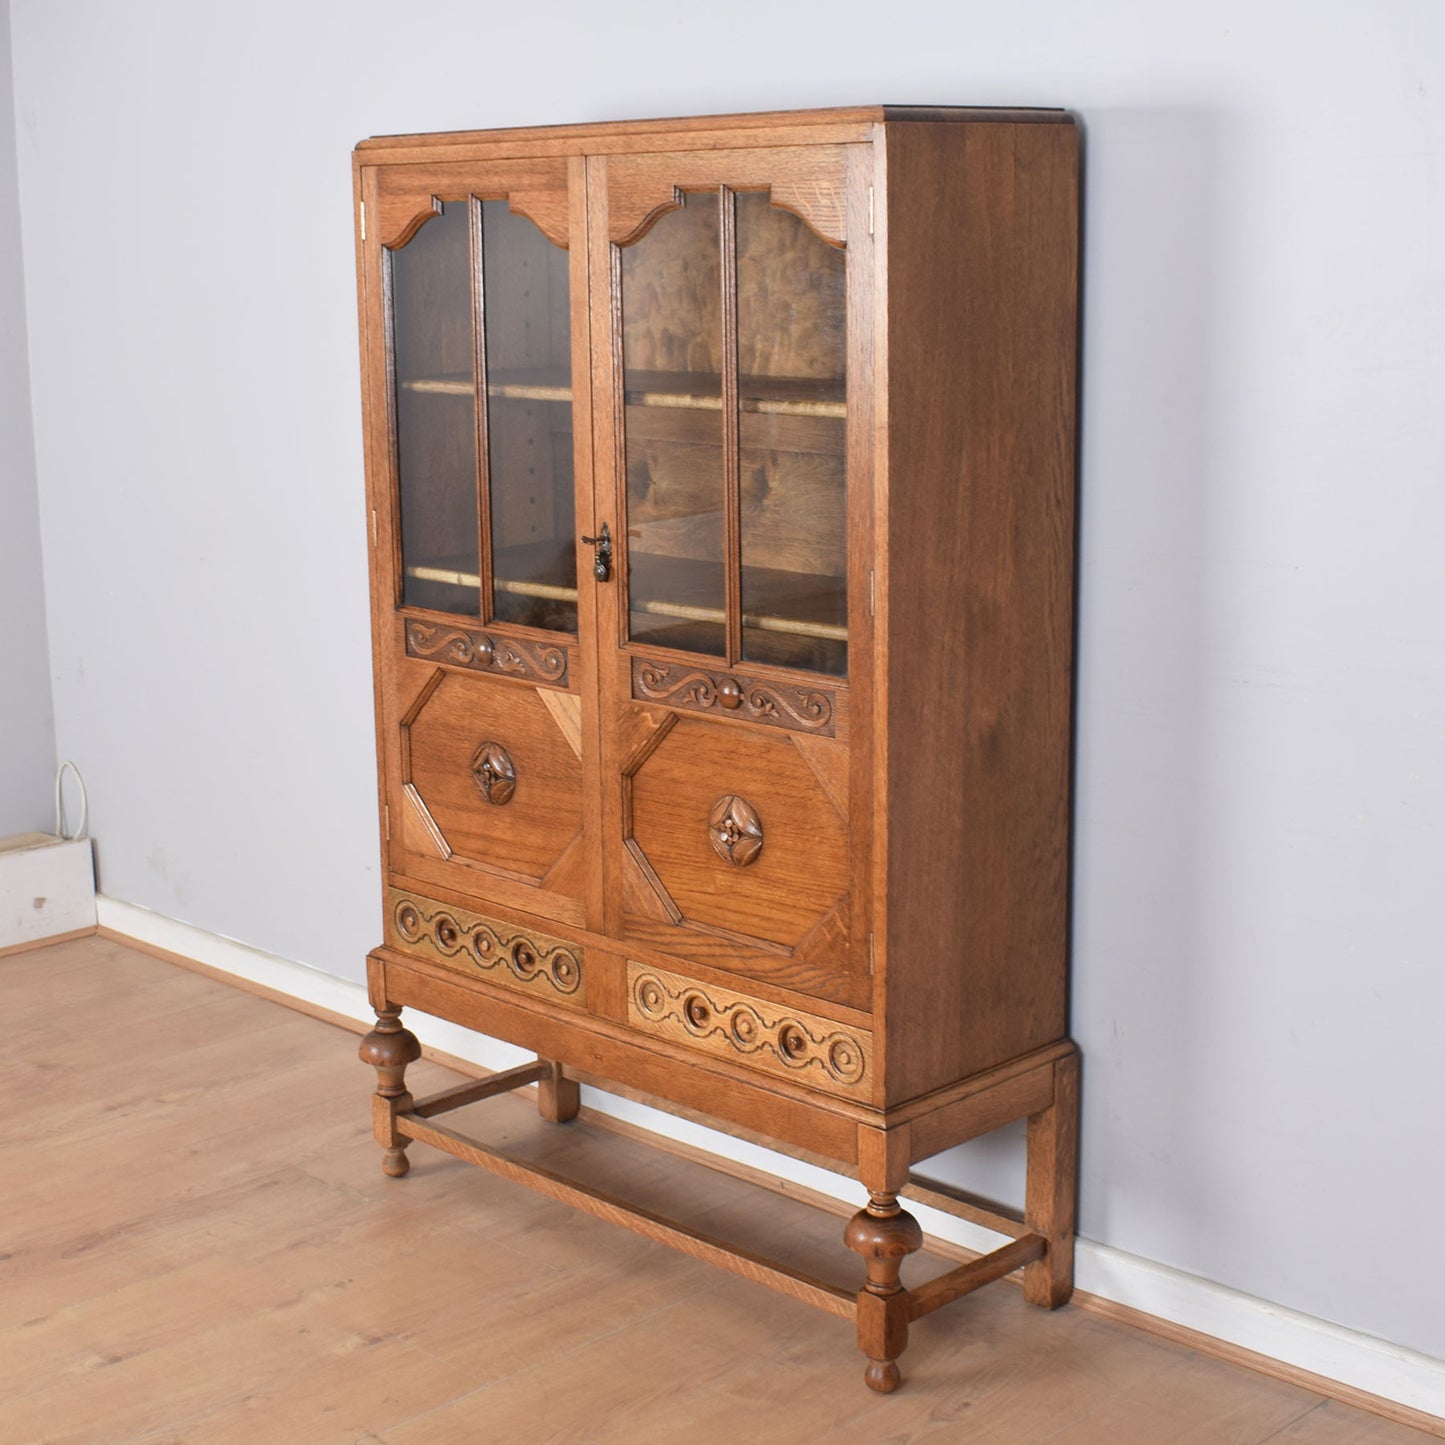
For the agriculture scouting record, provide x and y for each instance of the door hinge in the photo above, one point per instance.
(870, 955)
(373, 527)
(872, 592)
(363, 218)
(870, 215)
(386, 809)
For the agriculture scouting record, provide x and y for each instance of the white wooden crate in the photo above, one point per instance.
(47, 887)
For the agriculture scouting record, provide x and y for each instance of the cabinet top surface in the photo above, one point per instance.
(590, 135)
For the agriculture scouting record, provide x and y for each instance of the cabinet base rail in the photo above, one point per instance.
(641, 1221)
(882, 1233)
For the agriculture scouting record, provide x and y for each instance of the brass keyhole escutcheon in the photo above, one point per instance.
(494, 773)
(735, 830)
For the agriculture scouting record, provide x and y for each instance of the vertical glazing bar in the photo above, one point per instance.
(622, 543)
(732, 484)
(479, 371)
(388, 330)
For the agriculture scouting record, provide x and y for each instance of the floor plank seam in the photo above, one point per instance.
(1309, 1409)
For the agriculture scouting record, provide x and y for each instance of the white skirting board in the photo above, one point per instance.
(1356, 1360)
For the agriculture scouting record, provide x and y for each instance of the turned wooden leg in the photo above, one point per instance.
(884, 1234)
(558, 1097)
(1053, 1161)
(389, 1048)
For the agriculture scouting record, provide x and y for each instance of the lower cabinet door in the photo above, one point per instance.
(492, 793)
(737, 855)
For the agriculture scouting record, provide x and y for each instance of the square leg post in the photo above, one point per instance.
(1052, 1187)
(558, 1097)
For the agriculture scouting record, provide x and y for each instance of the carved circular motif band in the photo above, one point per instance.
(454, 935)
(735, 830)
(494, 773)
(741, 1027)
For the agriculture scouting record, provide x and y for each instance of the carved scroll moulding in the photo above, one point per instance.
(797, 709)
(482, 652)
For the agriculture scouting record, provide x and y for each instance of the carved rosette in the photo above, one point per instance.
(494, 773)
(735, 830)
(728, 1025)
(799, 709)
(484, 652)
(466, 941)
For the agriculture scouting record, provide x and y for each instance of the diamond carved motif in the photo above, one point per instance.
(494, 773)
(735, 830)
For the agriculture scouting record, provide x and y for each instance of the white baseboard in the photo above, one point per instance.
(1358, 1361)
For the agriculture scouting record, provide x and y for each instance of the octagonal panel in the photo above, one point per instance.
(774, 876)
(459, 740)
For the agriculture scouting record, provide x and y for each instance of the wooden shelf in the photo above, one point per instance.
(800, 604)
(525, 387)
(763, 621)
(770, 395)
(521, 571)
(453, 578)
(792, 596)
(678, 390)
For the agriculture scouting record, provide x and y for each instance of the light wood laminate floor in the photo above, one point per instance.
(199, 1246)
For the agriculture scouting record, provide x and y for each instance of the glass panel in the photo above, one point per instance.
(436, 421)
(526, 318)
(792, 355)
(672, 350)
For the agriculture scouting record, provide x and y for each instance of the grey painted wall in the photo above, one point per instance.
(27, 725)
(1262, 646)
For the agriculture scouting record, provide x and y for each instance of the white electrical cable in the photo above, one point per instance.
(60, 804)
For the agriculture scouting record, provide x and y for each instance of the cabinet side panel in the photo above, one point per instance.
(982, 239)
(384, 563)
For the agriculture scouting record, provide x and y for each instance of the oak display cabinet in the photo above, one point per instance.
(721, 487)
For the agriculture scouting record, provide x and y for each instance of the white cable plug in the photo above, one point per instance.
(60, 804)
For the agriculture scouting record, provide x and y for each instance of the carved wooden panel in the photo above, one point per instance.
(471, 944)
(453, 720)
(767, 1036)
(486, 652)
(791, 883)
(809, 709)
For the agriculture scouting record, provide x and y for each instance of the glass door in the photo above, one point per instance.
(482, 300)
(734, 363)
(481, 313)
(721, 314)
